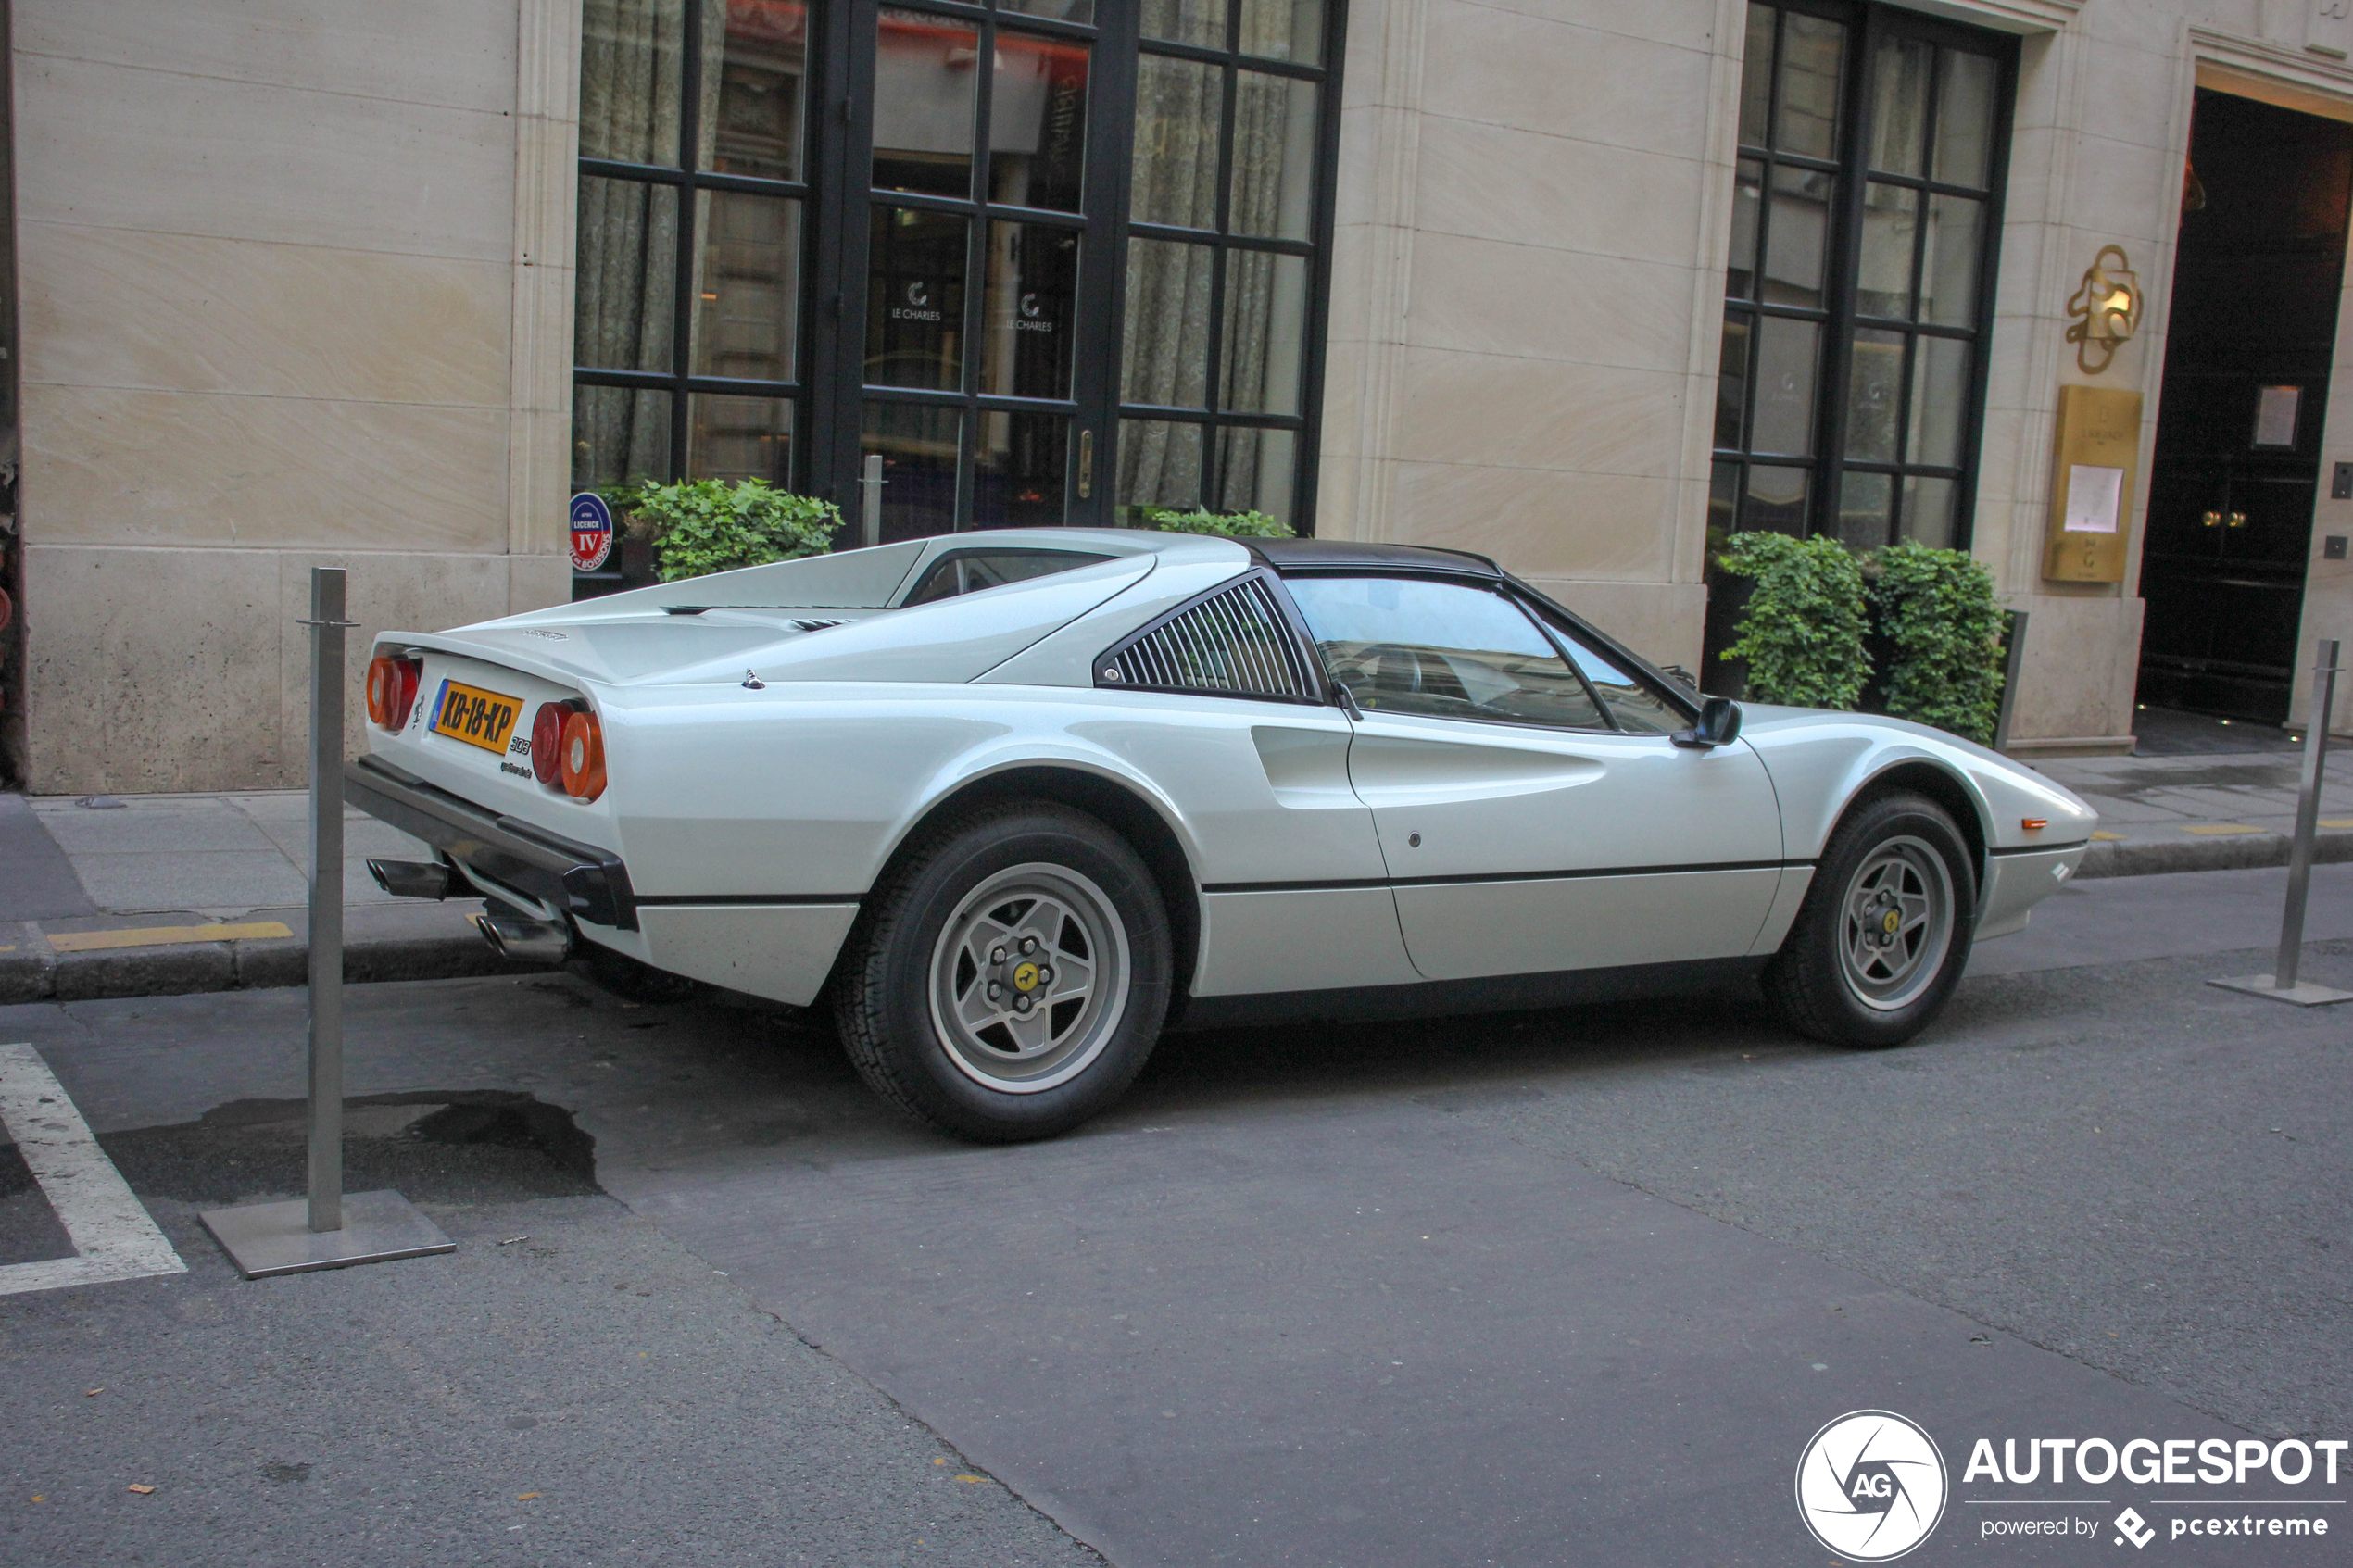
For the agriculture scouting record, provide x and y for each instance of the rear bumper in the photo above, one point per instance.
(582, 881)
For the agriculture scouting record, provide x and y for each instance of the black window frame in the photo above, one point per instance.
(688, 182)
(835, 192)
(1840, 318)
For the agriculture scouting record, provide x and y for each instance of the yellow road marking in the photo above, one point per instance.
(2108, 838)
(2222, 827)
(2337, 822)
(156, 935)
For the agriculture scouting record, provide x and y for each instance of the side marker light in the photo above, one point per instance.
(2035, 824)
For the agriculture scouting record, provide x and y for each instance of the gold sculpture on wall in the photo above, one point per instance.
(2107, 309)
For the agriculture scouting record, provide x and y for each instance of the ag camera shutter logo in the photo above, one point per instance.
(1870, 1485)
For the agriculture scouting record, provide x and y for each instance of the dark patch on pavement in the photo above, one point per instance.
(451, 1147)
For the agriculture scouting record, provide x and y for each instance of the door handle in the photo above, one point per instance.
(2238, 520)
(1086, 464)
(2212, 520)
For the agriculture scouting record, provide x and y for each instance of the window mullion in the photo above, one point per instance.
(1838, 287)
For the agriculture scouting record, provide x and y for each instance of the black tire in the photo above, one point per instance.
(1858, 968)
(927, 985)
(632, 980)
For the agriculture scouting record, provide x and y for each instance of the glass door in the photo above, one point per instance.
(975, 259)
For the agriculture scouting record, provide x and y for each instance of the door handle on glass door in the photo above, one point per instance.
(2238, 520)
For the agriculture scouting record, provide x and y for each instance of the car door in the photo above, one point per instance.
(1530, 824)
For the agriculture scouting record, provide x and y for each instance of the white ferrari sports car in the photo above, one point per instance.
(1014, 802)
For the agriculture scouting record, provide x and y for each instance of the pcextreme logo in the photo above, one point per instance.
(1870, 1485)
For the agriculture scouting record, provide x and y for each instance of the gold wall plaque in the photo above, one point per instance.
(2093, 459)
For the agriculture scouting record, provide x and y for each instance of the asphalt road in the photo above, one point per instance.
(1561, 1286)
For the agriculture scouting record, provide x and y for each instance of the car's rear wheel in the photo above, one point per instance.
(1884, 935)
(1009, 978)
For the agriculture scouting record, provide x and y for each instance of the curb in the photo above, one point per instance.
(2235, 852)
(33, 974)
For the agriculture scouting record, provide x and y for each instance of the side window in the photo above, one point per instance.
(1403, 645)
(1631, 702)
(968, 572)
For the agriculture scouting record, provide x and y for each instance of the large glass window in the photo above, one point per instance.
(956, 264)
(1863, 232)
(693, 186)
(1223, 215)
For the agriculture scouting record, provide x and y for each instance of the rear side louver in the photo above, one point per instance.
(1234, 642)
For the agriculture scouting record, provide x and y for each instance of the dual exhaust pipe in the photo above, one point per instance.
(510, 935)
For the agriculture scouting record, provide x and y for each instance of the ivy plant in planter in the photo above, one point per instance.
(1802, 633)
(1944, 628)
(1201, 520)
(706, 525)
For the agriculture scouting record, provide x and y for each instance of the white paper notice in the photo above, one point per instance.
(2276, 415)
(2091, 495)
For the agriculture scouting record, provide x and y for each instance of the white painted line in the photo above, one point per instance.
(114, 1238)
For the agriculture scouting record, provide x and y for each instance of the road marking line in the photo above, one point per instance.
(2222, 827)
(114, 1238)
(2108, 838)
(2335, 823)
(157, 936)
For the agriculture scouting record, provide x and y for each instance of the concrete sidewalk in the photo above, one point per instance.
(157, 894)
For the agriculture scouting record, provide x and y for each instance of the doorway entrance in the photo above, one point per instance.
(2251, 335)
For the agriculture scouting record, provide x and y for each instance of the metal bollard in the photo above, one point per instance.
(2281, 985)
(325, 1231)
(327, 627)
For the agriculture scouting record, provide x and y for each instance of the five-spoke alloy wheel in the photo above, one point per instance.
(1884, 935)
(1009, 976)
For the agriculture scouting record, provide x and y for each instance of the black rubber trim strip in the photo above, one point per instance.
(665, 900)
(1498, 876)
(584, 881)
(1488, 993)
(2038, 848)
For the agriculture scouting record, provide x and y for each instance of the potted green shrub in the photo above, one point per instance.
(1942, 629)
(1201, 520)
(700, 526)
(1801, 633)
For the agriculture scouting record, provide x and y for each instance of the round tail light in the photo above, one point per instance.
(584, 757)
(547, 742)
(391, 689)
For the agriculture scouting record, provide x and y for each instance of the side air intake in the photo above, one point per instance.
(1235, 642)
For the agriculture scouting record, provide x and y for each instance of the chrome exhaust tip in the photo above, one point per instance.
(524, 941)
(411, 879)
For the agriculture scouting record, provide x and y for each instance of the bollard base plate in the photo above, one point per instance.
(265, 1239)
(2303, 994)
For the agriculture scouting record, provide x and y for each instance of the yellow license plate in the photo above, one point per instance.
(477, 717)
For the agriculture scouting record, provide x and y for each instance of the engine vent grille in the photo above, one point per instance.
(1234, 642)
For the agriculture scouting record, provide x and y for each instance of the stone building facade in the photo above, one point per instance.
(1579, 284)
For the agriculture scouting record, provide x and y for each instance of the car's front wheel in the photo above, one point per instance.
(1884, 932)
(1009, 978)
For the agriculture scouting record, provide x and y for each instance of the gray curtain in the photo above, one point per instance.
(631, 89)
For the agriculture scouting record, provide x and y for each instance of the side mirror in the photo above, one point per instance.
(1720, 724)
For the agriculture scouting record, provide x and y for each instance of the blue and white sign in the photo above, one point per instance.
(591, 531)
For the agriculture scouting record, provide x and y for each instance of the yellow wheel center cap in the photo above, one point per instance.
(1025, 976)
(1888, 922)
